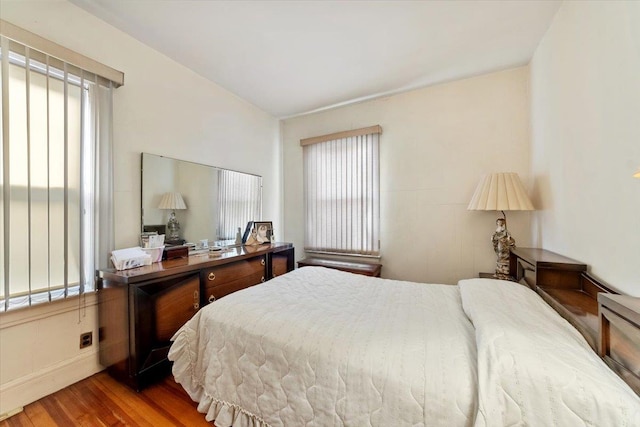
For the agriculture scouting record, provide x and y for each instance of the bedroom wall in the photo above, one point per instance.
(585, 112)
(436, 143)
(163, 108)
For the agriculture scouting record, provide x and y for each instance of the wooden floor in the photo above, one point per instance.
(102, 401)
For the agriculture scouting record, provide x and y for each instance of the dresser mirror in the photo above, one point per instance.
(216, 201)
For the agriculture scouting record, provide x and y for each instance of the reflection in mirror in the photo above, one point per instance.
(216, 201)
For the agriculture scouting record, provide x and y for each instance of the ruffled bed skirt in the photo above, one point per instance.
(223, 413)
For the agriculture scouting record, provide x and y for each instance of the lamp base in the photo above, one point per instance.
(501, 276)
(484, 275)
(173, 227)
(502, 244)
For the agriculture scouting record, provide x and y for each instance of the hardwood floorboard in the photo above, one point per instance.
(38, 415)
(75, 409)
(18, 420)
(131, 407)
(102, 401)
(105, 409)
(52, 406)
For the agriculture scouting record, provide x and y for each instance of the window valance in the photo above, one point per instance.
(34, 41)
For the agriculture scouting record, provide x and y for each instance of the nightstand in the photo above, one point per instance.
(619, 343)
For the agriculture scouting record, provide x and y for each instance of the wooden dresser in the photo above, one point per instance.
(140, 309)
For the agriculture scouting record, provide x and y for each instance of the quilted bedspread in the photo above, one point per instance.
(320, 347)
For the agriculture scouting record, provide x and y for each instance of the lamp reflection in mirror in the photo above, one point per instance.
(501, 192)
(172, 201)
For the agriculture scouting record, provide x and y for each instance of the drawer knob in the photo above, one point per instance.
(262, 279)
(262, 261)
(196, 300)
(212, 298)
(211, 276)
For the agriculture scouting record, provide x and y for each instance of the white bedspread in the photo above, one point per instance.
(320, 347)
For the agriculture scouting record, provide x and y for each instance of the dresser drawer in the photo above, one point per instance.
(214, 292)
(280, 265)
(225, 279)
(233, 271)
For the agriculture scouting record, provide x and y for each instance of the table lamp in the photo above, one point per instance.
(501, 192)
(172, 201)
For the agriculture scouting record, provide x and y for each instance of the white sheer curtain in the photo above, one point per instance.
(341, 188)
(57, 175)
(99, 221)
(239, 201)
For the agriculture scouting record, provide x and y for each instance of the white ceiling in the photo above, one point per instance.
(292, 57)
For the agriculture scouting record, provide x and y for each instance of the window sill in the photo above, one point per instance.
(48, 309)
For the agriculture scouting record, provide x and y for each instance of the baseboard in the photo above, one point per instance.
(11, 413)
(22, 391)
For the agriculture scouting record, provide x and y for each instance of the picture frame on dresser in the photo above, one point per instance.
(264, 231)
(247, 231)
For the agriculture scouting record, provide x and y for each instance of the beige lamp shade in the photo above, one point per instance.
(500, 192)
(637, 174)
(172, 201)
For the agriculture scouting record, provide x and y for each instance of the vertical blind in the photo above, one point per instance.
(239, 201)
(56, 207)
(342, 192)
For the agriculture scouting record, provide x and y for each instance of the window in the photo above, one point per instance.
(56, 175)
(342, 188)
(239, 201)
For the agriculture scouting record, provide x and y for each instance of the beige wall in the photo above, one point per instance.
(436, 143)
(585, 109)
(163, 108)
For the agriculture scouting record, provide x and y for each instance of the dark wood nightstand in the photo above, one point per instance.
(367, 269)
(619, 343)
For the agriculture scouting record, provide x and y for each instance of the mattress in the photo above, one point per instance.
(321, 347)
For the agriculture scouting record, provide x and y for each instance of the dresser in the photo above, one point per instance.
(140, 309)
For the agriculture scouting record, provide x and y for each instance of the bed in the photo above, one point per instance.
(321, 347)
